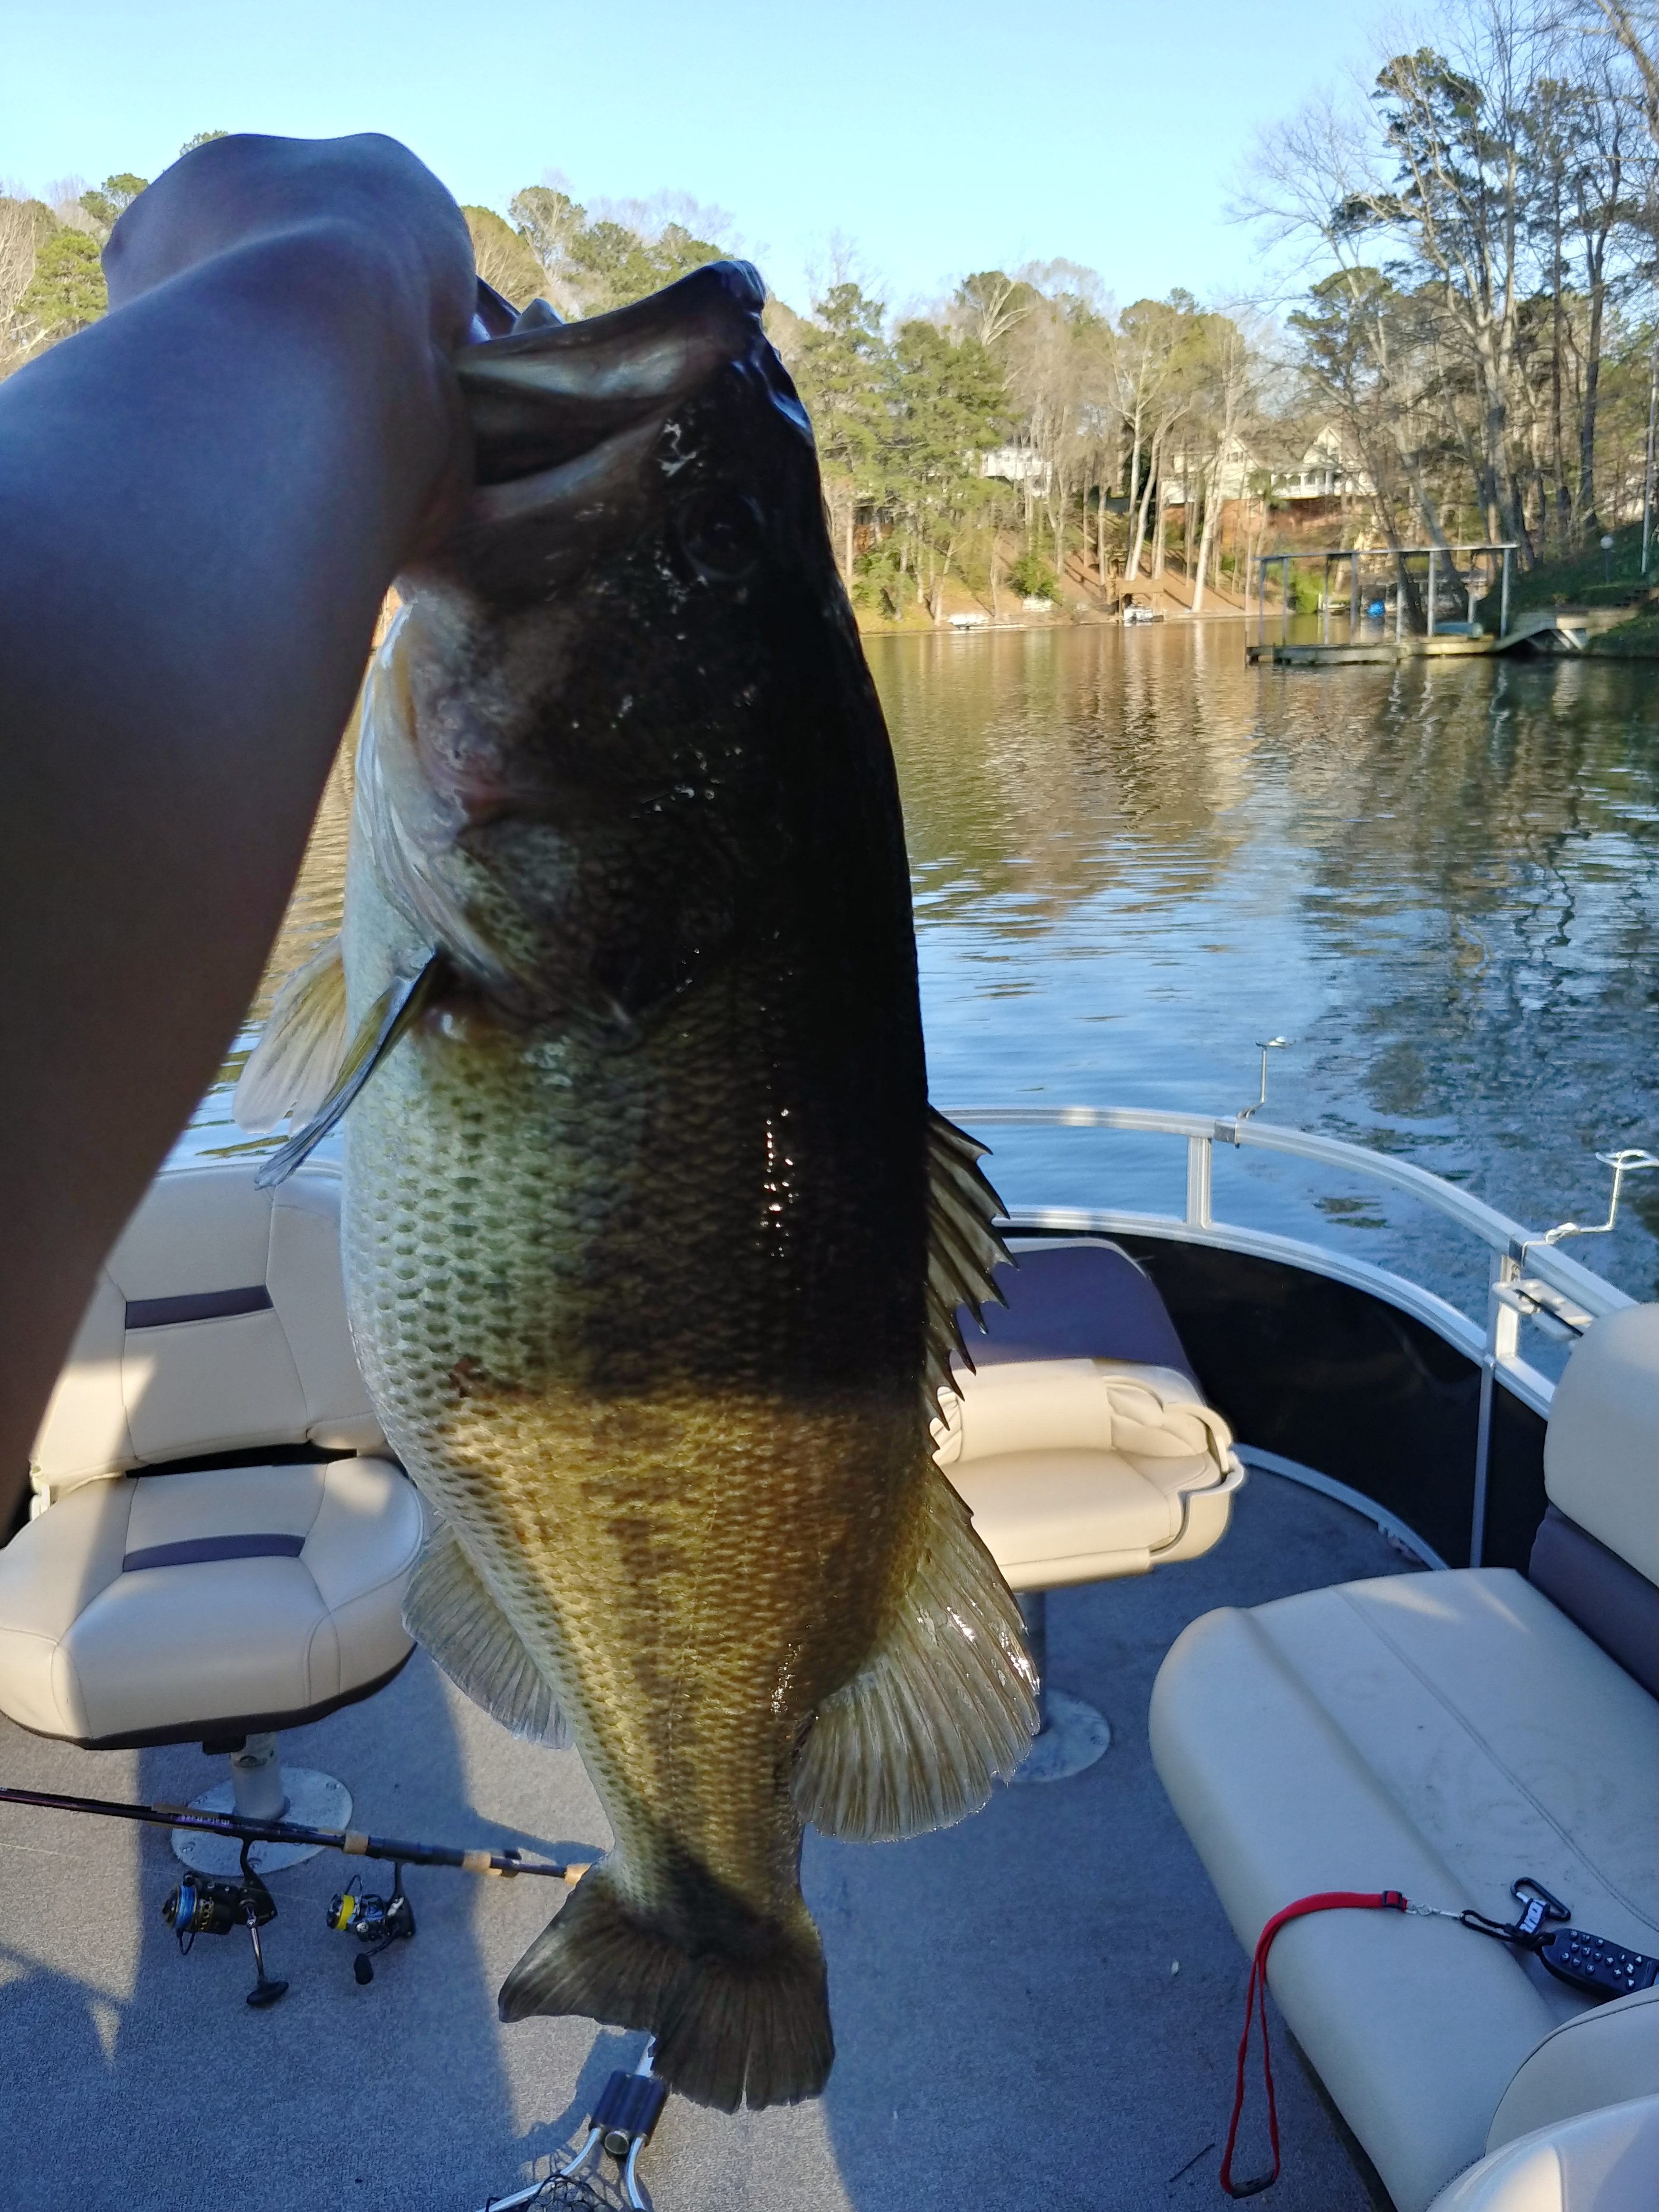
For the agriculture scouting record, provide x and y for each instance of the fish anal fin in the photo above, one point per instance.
(943, 1706)
(963, 1245)
(294, 1066)
(746, 2021)
(449, 1610)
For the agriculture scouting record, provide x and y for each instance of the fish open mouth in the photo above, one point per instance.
(575, 431)
(547, 393)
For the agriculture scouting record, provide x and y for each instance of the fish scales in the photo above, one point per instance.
(640, 1171)
(765, 1529)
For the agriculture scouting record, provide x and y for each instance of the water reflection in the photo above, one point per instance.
(1134, 856)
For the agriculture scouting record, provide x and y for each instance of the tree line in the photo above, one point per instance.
(1486, 227)
(1471, 351)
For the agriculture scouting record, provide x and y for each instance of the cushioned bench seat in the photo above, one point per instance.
(1603, 2160)
(1439, 1734)
(1445, 1734)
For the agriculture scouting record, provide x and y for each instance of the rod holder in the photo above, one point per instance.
(1264, 1045)
(1632, 1160)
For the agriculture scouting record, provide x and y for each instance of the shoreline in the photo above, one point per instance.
(1082, 618)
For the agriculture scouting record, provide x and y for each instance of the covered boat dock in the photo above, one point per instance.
(1418, 629)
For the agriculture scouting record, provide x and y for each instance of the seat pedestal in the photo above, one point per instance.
(260, 1789)
(1073, 1734)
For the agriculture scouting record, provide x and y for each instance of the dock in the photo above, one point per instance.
(1381, 649)
(1542, 629)
(1424, 636)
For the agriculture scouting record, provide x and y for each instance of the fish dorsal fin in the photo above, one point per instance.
(449, 1611)
(944, 1704)
(396, 1009)
(293, 1067)
(963, 1246)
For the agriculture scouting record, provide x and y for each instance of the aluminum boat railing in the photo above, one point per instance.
(1528, 1280)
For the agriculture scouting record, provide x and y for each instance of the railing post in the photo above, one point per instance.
(1503, 1340)
(1434, 566)
(1198, 1182)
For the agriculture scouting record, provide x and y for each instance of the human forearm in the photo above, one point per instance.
(201, 500)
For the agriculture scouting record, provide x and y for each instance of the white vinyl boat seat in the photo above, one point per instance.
(1444, 1733)
(1080, 1440)
(217, 1325)
(209, 1604)
(1603, 2160)
(221, 1542)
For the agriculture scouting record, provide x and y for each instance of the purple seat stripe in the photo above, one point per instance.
(1614, 1602)
(202, 1550)
(198, 1305)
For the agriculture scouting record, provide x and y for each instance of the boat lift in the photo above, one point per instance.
(1438, 636)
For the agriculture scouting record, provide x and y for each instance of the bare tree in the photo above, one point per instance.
(18, 230)
(990, 305)
(1231, 367)
(1149, 340)
(1635, 31)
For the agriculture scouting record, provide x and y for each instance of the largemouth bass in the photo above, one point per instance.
(652, 1245)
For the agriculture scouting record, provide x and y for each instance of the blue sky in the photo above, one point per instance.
(937, 138)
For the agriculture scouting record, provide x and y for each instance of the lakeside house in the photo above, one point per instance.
(1324, 471)
(1016, 464)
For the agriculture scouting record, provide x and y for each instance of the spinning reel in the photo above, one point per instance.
(197, 1906)
(376, 1921)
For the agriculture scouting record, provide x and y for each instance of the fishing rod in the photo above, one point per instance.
(351, 1841)
(629, 2106)
(198, 1906)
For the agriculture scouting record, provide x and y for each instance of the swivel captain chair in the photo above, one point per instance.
(221, 1541)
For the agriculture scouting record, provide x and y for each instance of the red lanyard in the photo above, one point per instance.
(1255, 2001)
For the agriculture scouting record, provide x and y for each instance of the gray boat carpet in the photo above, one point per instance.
(1036, 2012)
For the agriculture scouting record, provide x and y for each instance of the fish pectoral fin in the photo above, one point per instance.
(449, 1610)
(943, 1706)
(293, 1067)
(738, 2006)
(963, 1246)
(396, 1009)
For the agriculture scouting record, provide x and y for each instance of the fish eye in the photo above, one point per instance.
(721, 532)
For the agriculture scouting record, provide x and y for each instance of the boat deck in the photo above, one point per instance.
(1037, 2009)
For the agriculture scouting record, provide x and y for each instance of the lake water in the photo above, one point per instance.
(1134, 856)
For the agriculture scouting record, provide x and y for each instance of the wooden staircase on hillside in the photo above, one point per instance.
(1172, 589)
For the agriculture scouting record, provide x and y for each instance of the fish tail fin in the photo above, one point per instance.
(751, 2018)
